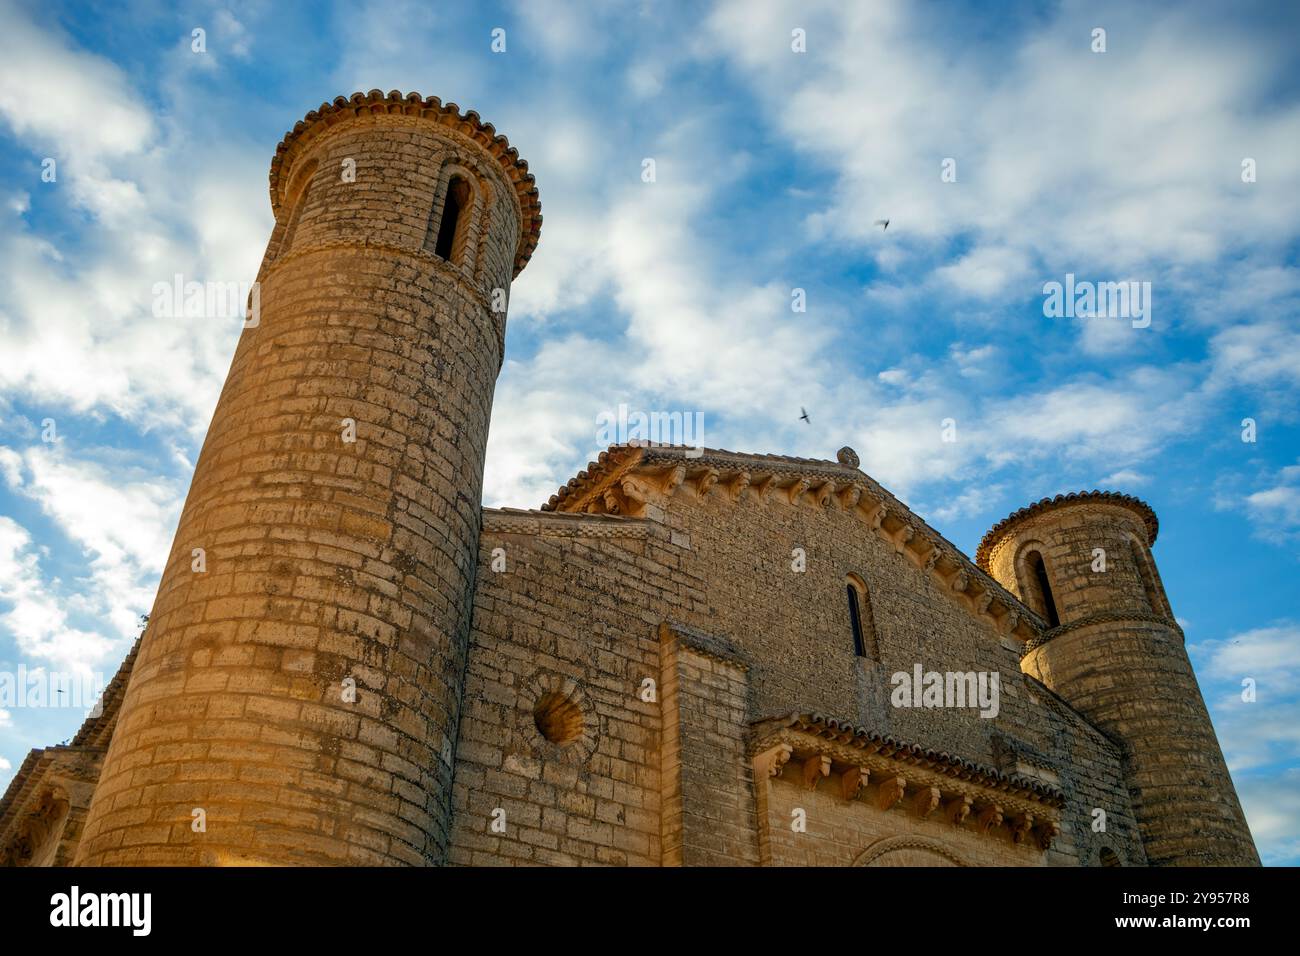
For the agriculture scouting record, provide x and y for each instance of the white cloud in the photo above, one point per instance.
(59, 96)
(74, 107)
(1279, 505)
(1127, 418)
(561, 30)
(232, 36)
(1258, 355)
(120, 515)
(1124, 479)
(1269, 654)
(1274, 511)
(34, 615)
(1065, 158)
(986, 272)
(972, 502)
(1272, 805)
(1260, 734)
(77, 327)
(973, 362)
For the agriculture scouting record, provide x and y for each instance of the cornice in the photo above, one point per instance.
(1105, 617)
(913, 778)
(1003, 527)
(705, 645)
(561, 524)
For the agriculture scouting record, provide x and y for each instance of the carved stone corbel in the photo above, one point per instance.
(1021, 827)
(983, 601)
(673, 480)
(850, 497)
(796, 490)
(905, 534)
(960, 581)
(927, 800)
(877, 517)
(1013, 621)
(958, 809)
(852, 781)
(39, 827)
(706, 482)
(613, 502)
(933, 557)
(823, 493)
(638, 490)
(814, 768)
(891, 791)
(772, 762)
(737, 485)
(989, 817)
(1047, 832)
(763, 487)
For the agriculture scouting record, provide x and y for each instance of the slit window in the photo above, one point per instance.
(451, 229)
(1047, 604)
(860, 619)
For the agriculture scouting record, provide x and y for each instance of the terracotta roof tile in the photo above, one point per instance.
(432, 108)
(1046, 504)
(844, 732)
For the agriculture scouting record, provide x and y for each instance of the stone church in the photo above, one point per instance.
(685, 657)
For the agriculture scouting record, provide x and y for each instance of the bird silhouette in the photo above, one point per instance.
(884, 223)
(804, 415)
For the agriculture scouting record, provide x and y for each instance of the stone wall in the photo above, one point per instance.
(794, 629)
(701, 594)
(327, 561)
(575, 612)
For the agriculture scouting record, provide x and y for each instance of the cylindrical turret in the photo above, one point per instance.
(1115, 653)
(296, 695)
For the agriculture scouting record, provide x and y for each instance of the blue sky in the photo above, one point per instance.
(771, 170)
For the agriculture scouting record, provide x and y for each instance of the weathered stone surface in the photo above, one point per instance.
(372, 669)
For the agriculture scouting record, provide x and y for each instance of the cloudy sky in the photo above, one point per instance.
(771, 169)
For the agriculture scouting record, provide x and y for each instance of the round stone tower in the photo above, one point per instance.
(1115, 653)
(296, 695)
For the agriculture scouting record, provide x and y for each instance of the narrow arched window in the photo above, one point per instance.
(861, 622)
(1043, 586)
(1036, 587)
(450, 244)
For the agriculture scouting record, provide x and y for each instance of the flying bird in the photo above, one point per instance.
(883, 223)
(804, 415)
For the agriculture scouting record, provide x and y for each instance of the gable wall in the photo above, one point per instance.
(660, 781)
(794, 630)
